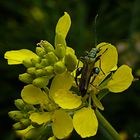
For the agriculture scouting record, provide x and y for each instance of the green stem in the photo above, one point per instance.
(106, 127)
(102, 94)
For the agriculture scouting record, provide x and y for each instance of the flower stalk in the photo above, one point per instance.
(106, 128)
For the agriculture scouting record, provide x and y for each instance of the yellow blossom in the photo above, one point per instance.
(60, 93)
(121, 79)
(18, 56)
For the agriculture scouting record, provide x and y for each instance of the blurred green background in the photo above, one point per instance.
(24, 23)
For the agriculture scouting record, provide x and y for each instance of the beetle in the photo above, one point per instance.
(88, 69)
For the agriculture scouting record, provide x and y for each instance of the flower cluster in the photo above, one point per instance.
(51, 105)
(47, 61)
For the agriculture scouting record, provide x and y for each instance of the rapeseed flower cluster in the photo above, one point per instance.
(51, 101)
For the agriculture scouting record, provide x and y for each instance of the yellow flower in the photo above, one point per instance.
(18, 56)
(84, 120)
(118, 81)
(61, 122)
(60, 93)
(58, 117)
(33, 95)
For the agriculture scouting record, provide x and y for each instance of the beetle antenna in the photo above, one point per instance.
(95, 22)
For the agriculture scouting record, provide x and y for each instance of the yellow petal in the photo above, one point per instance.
(63, 25)
(33, 95)
(98, 79)
(121, 79)
(17, 56)
(62, 124)
(66, 100)
(107, 61)
(40, 118)
(109, 57)
(61, 81)
(114, 68)
(85, 122)
(70, 50)
(52, 138)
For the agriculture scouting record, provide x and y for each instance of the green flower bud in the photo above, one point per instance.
(46, 45)
(38, 66)
(40, 72)
(41, 82)
(70, 61)
(49, 70)
(60, 51)
(18, 126)
(29, 107)
(52, 58)
(25, 122)
(19, 103)
(32, 134)
(35, 61)
(40, 51)
(44, 62)
(27, 63)
(16, 115)
(26, 78)
(59, 67)
(31, 70)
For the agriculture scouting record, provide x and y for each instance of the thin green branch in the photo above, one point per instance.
(109, 132)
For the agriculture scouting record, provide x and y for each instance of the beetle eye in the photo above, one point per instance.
(96, 70)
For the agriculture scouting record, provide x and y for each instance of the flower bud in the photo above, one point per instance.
(19, 103)
(32, 134)
(60, 51)
(26, 78)
(40, 51)
(52, 58)
(40, 72)
(59, 67)
(70, 61)
(38, 66)
(49, 70)
(41, 82)
(44, 62)
(18, 126)
(29, 107)
(31, 70)
(35, 61)
(27, 63)
(25, 122)
(46, 45)
(16, 115)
